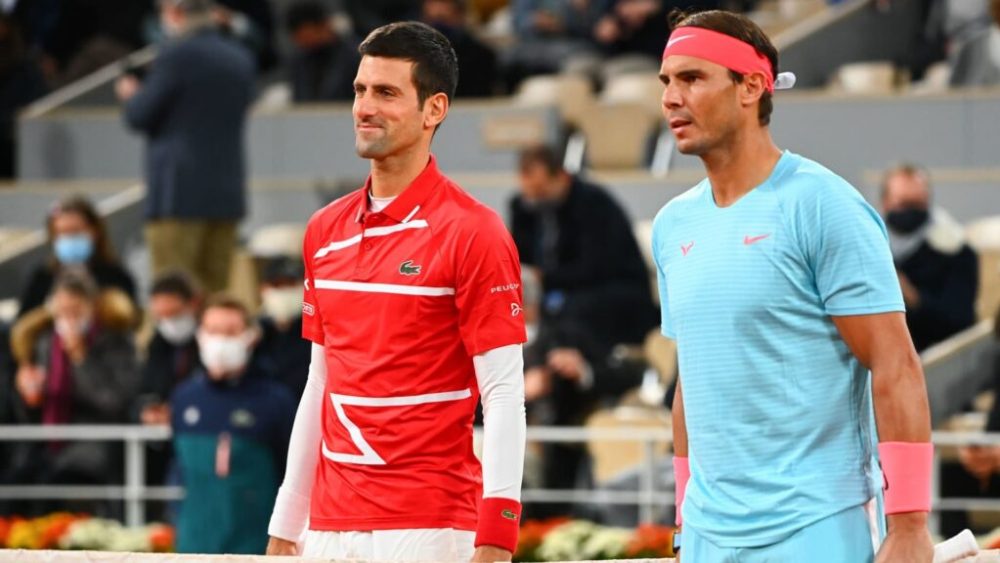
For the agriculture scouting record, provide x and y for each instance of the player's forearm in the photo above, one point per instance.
(679, 426)
(291, 507)
(902, 413)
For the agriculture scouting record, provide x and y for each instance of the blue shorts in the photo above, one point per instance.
(845, 537)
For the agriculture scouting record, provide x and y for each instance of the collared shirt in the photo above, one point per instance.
(401, 300)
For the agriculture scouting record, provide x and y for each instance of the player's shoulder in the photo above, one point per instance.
(336, 211)
(810, 183)
(680, 206)
(464, 213)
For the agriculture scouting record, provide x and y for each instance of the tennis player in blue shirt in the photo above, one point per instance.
(797, 374)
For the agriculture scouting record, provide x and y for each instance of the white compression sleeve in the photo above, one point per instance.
(291, 507)
(500, 374)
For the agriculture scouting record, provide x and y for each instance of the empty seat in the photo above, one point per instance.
(644, 89)
(618, 135)
(879, 77)
(572, 94)
(984, 236)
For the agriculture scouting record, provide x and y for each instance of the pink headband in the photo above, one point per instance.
(722, 49)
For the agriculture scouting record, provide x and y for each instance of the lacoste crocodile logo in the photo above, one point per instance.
(408, 269)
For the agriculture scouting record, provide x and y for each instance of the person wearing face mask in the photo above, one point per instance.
(76, 365)
(231, 424)
(78, 239)
(938, 271)
(172, 354)
(324, 61)
(281, 345)
(191, 108)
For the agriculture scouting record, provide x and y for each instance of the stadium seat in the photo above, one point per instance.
(878, 77)
(618, 135)
(612, 458)
(282, 239)
(641, 88)
(984, 237)
(572, 94)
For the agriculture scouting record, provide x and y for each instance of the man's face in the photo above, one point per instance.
(388, 119)
(535, 182)
(905, 191)
(224, 322)
(72, 309)
(701, 103)
(169, 306)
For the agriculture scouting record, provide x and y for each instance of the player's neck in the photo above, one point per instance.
(393, 174)
(741, 165)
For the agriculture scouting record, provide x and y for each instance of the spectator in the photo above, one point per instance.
(252, 23)
(78, 238)
(172, 355)
(938, 271)
(550, 33)
(634, 27)
(282, 348)
(21, 82)
(477, 63)
(192, 109)
(324, 62)
(567, 376)
(76, 365)
(977, 62)
(579, 240)
(231, 428)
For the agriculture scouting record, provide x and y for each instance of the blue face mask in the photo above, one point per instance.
(73, 249)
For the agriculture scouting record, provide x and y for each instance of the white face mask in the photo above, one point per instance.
(178, 330)
(224, 355)
(283, 303)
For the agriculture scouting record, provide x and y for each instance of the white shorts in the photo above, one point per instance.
(433, 544)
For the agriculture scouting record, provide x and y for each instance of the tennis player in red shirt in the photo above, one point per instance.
(413, 304)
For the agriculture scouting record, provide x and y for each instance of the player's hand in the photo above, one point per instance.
(908, 540)
(278, 546)
(489, 553)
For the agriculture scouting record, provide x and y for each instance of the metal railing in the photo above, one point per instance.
(134, 492)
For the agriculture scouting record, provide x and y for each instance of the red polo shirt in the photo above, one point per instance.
(401, 301)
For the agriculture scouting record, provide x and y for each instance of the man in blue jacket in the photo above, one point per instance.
(231, 427)
(192, 110)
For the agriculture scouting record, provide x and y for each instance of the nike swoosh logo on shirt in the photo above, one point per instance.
(676, 39)
(686, 249)
(748, 240)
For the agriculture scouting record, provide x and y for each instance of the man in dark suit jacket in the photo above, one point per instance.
(192, 109)
(581, 243)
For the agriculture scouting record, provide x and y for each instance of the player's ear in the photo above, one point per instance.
(435, 110)
(752, 88)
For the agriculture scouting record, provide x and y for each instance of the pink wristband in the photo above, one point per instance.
(682, 472)
(906, 469)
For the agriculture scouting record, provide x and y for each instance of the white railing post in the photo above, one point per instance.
(934, 516)
(647, 481)
(135, 477)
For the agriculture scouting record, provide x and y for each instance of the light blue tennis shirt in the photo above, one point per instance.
(778, 410)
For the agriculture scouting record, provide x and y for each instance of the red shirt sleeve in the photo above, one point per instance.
(312, 322)
(488, 286)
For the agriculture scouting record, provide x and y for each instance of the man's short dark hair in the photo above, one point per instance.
(744, 29)
(540, 155)
(227, 301)
(175, 283)
(76, 282)
(435, 67)
(305, 13)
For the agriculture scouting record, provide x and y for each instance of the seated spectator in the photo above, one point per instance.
(172, 355)
(477, 63)
(324, 62)
(634, 27)
(567, 376)
(76, 365)
(977, 62)
(550, 33)
(281, 348)
(581, 243)
(231, 428)
(78, 237)
(367, 15)
(938, 271)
